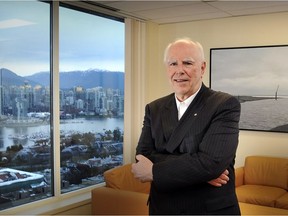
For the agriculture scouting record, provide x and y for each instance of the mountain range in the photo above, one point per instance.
(87, 79)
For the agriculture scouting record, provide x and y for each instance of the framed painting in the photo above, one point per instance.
(258, 78)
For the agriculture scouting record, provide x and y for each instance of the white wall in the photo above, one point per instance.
(269, 29)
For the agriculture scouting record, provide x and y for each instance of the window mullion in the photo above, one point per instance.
(55, 97)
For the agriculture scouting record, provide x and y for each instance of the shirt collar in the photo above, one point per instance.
(188, 101)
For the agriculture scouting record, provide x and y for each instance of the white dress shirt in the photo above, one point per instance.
(183, 105)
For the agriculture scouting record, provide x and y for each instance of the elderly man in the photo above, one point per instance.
(188, 142)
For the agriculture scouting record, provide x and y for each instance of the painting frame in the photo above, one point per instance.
(257, 76)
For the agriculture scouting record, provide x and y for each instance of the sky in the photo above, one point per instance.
(250, 71)
(86, 41)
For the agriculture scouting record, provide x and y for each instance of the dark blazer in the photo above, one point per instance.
(190, 152)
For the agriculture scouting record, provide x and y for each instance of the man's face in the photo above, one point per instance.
(185, 69)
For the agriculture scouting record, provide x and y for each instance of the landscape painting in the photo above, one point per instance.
(258, 77)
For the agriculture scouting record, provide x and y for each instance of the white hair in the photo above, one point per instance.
(188, 41)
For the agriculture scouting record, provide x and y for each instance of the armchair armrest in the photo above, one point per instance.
(122, 178)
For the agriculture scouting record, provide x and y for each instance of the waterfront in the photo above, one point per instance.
(88, 147)
(24, 135)
(264, 114)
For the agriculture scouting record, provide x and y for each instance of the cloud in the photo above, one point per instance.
(250, 71)
(12, 23)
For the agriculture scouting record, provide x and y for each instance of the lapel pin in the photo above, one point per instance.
(195, 114)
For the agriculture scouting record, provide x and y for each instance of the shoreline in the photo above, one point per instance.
(243, 98)
(281, 128)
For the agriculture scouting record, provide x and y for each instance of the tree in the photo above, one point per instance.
(117, 134)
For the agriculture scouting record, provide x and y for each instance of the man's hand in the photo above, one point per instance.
(142, 170)
(221, 180)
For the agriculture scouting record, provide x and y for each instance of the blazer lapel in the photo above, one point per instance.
(187, 120)
(169, 117)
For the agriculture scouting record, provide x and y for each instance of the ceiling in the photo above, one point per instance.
(164, 12)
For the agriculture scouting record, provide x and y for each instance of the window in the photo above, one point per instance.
(25, 159)
(91, 97)
(91, 62)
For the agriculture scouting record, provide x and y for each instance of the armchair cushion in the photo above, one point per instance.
(263, 171)
(239, 176)
(282, 202)
(259, 195)
(108, 201)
